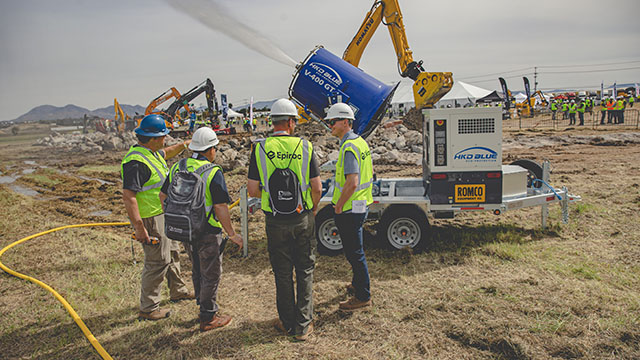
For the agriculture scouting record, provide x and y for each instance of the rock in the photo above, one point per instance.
(376, 157)
(413, 137)
(230, 154)
(416, 149)
(400, 142)
(333, 155)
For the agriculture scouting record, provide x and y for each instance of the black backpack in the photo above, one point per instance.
(285, 193)
(185, 215)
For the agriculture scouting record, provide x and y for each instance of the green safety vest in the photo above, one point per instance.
(631, 99)
(148, 200)
(361, 150)
(582, 107)
(193, 165)
(554, 106)
(564, 107)
(619, 105)
(281, 149)
(572, 109)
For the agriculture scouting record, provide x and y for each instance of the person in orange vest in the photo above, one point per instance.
(610, 104)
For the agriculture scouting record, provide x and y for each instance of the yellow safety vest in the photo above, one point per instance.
(361, 150)
(282, 151)
(148, 200)
(207, 176)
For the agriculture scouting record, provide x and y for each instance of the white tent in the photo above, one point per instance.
(462, 94)
(233, 114)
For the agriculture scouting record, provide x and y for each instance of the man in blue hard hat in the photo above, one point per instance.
(143, 171)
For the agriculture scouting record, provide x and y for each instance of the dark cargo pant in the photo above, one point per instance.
(206, 272)
(292, 244)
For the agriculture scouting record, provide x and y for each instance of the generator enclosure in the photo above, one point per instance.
(462, 159)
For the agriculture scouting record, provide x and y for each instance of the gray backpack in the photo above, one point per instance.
(185, 214)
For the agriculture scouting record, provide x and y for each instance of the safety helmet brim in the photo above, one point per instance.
(147, 132)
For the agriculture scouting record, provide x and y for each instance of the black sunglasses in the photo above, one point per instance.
(332, 122)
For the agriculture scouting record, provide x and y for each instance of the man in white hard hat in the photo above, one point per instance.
(286, 168)
(206, 250)
(351, 198)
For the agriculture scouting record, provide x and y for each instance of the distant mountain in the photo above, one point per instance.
(108, 112)
(50, 112)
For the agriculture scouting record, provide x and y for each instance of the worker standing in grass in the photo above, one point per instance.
(143, 171)
(572, 112)
(206, 249)
(581, 109)
(286, 168)
(351, 198)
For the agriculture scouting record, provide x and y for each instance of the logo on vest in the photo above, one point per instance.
(283, 156)
(365, 154)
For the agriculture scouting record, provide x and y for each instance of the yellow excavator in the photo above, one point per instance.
(121, 119)
(428, 87)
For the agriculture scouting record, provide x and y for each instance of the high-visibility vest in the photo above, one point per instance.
(554, 106)
(360, 149)
(564, 107)
(207, 176)
(582, 107)
(572, 108)
(148, 200)
(610, 104)
(631, 100)
(283, 151)
(619, 105)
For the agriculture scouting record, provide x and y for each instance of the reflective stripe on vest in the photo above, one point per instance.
(299, 167)
(148, 200)
(207, 175)
(365, 173)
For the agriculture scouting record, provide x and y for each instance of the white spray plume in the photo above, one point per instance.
(217, 18)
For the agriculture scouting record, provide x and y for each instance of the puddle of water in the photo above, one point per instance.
(7, 179)
(100, 213)
(23, 190)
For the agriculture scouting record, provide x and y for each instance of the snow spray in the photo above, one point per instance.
(218, 18)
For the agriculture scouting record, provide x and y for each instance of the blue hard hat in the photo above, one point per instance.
(153, 126)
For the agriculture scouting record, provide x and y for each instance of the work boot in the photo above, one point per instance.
(278, 325)
(186, 296)
(354, 304)
(305, 336)
(217, 321)
(350, 289)
(154, 315)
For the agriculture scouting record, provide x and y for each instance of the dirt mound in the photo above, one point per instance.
(413, 120)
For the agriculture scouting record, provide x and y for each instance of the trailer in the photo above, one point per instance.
(462, 171)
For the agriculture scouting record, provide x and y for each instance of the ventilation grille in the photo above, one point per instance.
(476, 126)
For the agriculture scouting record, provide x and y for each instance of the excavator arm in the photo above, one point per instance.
(428, 87)
(210, 93)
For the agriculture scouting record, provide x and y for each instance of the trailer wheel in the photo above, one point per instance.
(404, 226)
(329, 242)
(535, 171)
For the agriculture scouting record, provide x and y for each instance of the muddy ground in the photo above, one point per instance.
(485, 287)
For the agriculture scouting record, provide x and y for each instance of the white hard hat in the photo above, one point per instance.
(284, 107)
(340, 111)
(203, 139)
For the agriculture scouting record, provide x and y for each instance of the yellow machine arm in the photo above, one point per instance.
(428, 87)
(120, 116)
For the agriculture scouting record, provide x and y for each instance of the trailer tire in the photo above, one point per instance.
(534, 169)
(404, 226)
(327, 236)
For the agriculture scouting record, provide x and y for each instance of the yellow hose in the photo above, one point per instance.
(64, 302)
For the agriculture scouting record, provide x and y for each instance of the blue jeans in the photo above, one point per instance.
(350, 228)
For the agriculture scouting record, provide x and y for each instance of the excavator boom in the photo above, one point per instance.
(428, 87)
(210, 93)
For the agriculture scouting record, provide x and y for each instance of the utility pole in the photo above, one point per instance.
(535, 79)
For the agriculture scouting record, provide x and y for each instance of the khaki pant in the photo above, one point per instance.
(160, 261)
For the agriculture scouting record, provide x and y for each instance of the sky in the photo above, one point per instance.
(88, 52)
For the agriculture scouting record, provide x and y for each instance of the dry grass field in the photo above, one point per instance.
(486, 286)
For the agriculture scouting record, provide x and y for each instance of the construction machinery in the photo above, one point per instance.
(162, 98)
(122, 121)
(428, 87)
